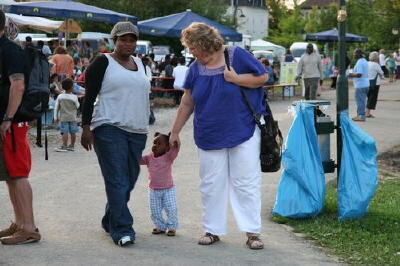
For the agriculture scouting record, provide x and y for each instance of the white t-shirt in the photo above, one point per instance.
(373, 70)
(66, 107)
(397, 58)
(382, 59)
(179, 74)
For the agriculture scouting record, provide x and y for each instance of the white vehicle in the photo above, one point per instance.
(299, 48)
(95, 37)
(39, 36)
(160, 51)
(266, 54)
(144, 47)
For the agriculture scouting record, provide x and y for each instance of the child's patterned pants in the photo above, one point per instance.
(164, 199)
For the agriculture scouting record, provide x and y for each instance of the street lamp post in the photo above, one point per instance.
(342, 90)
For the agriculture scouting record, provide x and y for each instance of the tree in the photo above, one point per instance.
(290, 28)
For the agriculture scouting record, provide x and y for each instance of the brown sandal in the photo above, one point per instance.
(157, 231)
(171, 232)
(252, 240)
(208, 239)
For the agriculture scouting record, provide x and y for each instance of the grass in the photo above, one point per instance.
(373, 240)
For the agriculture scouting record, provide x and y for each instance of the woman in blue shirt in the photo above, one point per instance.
(227, 138)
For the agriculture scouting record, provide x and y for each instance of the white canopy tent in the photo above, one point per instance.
(44, 24)
(260, 44)
(36, 23)
(5, 3)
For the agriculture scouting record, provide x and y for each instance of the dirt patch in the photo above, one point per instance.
(389, 164)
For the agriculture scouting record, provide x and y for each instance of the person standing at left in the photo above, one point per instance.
(361, 84)
(115, 121)
(310, 69)
(15, 156)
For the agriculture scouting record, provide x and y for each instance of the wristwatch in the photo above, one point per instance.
(7, 118)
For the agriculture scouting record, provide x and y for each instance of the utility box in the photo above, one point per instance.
(324, 127)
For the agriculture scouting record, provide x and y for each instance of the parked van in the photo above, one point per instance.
(94, 38)
(160, 51)
(144, 47)
(299, 48)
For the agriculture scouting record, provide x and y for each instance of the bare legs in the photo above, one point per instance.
(21, 198)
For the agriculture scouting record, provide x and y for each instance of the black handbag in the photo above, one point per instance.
(271, 139)
(271, 136)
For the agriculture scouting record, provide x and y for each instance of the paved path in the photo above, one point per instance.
(69, 199)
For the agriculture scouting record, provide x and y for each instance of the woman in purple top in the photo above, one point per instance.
(224, 131)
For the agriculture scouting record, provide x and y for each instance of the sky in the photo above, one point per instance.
(289, 3)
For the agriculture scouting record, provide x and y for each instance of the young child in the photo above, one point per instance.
(161, 187)
(65, 111)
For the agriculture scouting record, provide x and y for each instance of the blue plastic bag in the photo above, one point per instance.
(358, 177)
(301, 190)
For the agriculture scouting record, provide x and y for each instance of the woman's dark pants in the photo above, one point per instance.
(372, 97)
(119, 153)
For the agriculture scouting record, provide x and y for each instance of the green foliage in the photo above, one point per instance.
(372, 240)
(277, 10)
(372, 18)
(290, 28)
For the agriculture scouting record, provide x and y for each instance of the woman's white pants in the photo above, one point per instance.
(232, 174)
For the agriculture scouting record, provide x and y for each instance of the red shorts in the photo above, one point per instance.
(17, 154)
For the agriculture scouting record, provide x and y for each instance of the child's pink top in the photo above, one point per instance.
(160, 169)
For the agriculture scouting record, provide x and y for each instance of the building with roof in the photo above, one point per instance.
(251, 17)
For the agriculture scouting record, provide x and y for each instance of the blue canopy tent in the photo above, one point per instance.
(172, 25)
(68, 9)
(332, 36)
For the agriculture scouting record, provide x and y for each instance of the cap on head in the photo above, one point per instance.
(123, 28)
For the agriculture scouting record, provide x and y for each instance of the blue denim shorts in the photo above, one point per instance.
(69, 127)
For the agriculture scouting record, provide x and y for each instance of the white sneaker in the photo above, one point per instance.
(125, 241)
(61, 149)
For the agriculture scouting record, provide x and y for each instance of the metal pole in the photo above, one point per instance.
(342, 90)
(235, 7)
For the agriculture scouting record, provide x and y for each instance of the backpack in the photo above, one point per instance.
(36, 95)
(35, 100)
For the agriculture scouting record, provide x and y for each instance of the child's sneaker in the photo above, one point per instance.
(61, 149)
(71, 148)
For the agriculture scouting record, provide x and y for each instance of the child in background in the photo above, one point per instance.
(162, 193)
(65, 111)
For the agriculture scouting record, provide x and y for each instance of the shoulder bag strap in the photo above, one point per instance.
(242, 90)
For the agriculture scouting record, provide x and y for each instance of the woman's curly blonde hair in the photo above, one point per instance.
(203, 37)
